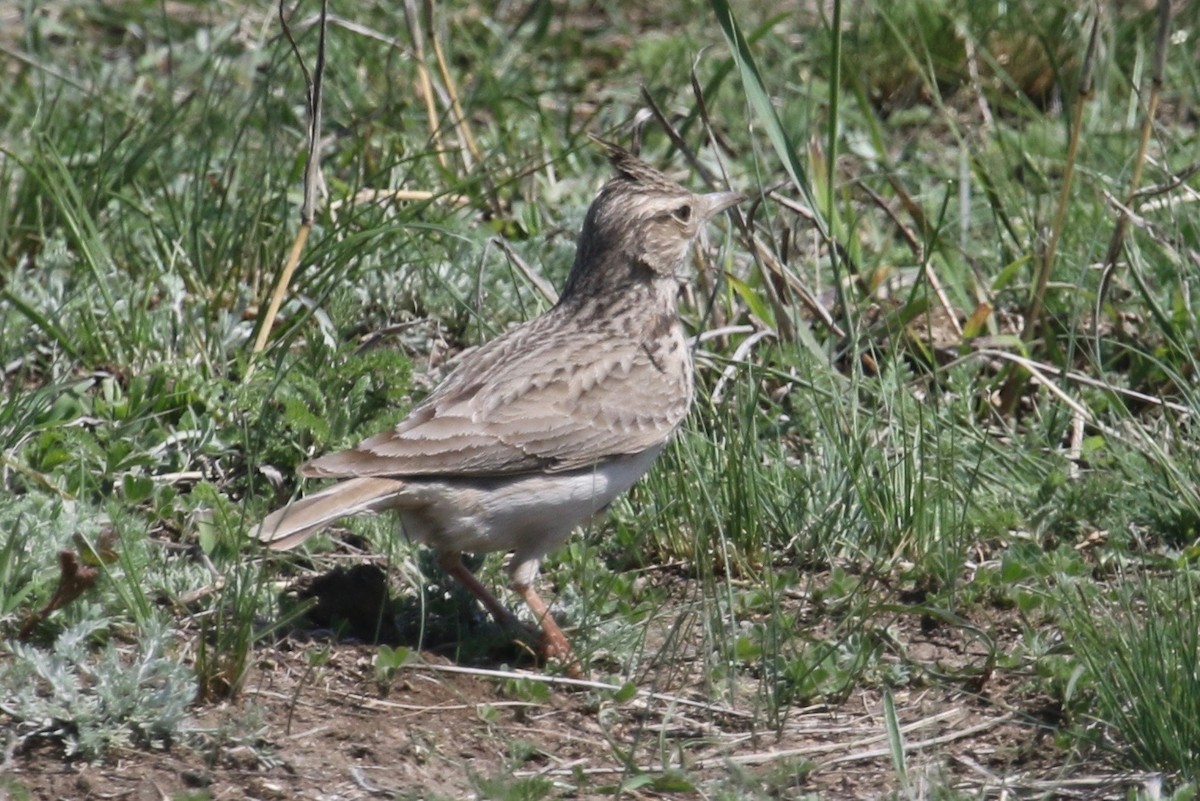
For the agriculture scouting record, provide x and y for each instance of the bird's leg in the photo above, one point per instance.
(451, 562)
(554, 642)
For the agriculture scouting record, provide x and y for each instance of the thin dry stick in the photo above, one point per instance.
(936, 285)
(379, 196)
(918, 252)
(473, 156)
(564, 681)
(42, 479)
(424, 82)
(774, 266)
(1034, 369)
(785, 328)
(1075, 449)
(783, 323)
(313, 182)
(368, 702)
(909, 237)
(543, 286)
(739, 356)
(766, 757)
(768, 263)
(1071, 375)
(972, 59)
(676, 138)
(1033, 314)
(1177, 180)
(949, 737)
(460, 119)
(1135, 178)
(910, 204)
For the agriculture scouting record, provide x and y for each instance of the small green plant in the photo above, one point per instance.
(530, 690)
(90, 698)
(12, 790)
(505, 788)
(387, 661)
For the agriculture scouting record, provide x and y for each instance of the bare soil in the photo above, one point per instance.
(335, 728)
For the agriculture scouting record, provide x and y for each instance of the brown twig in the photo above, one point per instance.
(1033, 312)
(460, 119)
(424, 82)
(73, 579)
(564, 681)
(927, 270)
(905, 232)
(314, 184)
(771, 270)
(1177, 180)
(1117, 241)
(676, 138)
(544, 287)
(382, 196)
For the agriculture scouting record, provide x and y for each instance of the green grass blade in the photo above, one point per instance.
(760, 102)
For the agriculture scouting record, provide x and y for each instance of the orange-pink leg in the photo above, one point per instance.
(554, 643)
(451, 562)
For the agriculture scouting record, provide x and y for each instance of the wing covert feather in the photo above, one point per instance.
(532, 400)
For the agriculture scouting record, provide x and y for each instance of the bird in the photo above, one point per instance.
(536, 432)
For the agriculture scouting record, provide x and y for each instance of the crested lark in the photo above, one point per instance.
(540, 429)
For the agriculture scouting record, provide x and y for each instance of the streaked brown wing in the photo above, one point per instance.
(533, 400)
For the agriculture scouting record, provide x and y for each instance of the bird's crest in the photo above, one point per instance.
(633, 169)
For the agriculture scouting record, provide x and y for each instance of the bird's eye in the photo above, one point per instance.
(683, 213)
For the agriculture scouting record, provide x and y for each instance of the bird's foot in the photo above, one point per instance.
(553, 645)
(555, 648)
(549, 643)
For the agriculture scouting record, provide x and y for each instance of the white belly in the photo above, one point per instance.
(531, 514)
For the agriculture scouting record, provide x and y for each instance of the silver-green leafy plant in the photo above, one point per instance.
(91, 699)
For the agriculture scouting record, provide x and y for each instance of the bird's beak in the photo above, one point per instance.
(717, 202)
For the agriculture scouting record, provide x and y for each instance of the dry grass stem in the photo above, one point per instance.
(314, 182)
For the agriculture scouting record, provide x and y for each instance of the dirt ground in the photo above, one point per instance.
(333, 728)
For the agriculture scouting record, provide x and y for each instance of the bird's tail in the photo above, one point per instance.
(288, 527)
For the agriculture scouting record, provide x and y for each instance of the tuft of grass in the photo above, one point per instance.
(1140, 645)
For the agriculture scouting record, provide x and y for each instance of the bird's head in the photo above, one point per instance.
(641, 225)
